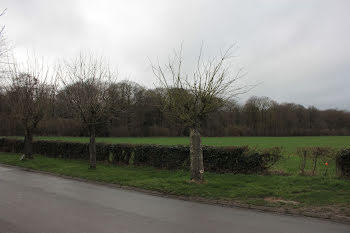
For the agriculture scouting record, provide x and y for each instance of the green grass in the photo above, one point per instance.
(309, 191)
(289, 144)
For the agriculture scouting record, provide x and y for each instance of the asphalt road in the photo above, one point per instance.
(37, 203)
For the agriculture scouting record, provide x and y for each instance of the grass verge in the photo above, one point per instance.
(316, 193)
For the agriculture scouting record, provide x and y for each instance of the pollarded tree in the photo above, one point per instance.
(29, 94)
(191, 98)
(87, 81)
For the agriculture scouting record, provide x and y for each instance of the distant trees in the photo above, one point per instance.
(191, 98)
(144, 116)
(88, 83)
(126, 97)
(29, 95)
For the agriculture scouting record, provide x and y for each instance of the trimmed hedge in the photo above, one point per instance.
(343, 162)
(216, 159)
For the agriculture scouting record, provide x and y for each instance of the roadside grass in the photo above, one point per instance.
(289, 144)
(308, 191)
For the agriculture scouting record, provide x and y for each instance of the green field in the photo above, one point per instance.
(289, 144)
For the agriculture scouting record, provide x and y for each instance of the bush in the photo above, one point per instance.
(343, 162)
(216, 159)
(304, 154)
(314, 154)
(324, 153)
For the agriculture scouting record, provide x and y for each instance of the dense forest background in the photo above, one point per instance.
(140, 113)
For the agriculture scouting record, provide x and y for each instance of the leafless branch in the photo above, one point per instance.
(212, 84)
(87, 80)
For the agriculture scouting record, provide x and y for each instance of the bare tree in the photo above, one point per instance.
(29, 93)
(3, 45)
(87, 81)
(191, 98)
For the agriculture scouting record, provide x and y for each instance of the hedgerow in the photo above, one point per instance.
(343, 162)
(216, 159)
(313, 155)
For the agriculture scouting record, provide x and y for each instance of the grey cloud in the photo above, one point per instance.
(298, 50)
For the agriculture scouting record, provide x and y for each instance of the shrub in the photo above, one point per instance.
(304, 154)
(216, 159)
(343, 162)
(270, 156)
(326, 154)
(323, 153)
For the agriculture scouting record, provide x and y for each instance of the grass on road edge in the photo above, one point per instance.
(331, 194)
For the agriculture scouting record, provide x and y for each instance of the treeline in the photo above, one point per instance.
(141, 113)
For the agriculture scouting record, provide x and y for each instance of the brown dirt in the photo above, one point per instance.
(279, 200)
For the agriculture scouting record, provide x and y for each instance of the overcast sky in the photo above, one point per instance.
(298, 51)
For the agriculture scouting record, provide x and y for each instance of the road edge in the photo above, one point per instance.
(223, 203)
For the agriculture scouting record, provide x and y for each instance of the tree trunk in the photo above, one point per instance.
(196, 154)
(303, 163)
(28, 145)
(92, 148)
(315, 164)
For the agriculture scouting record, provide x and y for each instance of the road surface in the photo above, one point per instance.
(38, 203)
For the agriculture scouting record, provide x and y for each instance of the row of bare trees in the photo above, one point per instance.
(83, 96)
(87, 88)
(84, 93)
(31, 91)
